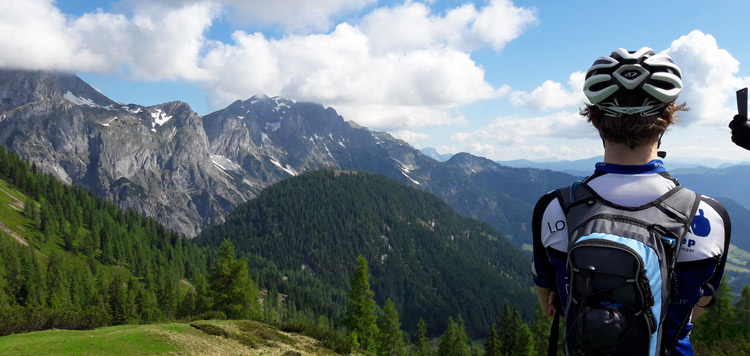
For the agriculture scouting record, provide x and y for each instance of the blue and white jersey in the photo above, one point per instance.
(702, 254)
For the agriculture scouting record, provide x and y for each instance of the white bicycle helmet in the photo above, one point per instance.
(633, 82)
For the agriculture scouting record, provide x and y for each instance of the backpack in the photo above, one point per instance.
(621, 270)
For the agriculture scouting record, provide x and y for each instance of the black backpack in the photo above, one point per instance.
(621, 271)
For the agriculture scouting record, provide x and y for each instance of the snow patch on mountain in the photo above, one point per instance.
(225, 163)
(109, 122)
(287, 169)
(160, 117)
(81, 101)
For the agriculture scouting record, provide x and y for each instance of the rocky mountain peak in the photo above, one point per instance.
(20, 87)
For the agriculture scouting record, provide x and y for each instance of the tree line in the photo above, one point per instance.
(88, 264)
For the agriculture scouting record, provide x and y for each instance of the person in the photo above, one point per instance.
(632, 103)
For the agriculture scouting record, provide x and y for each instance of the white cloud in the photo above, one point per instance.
(709, 76)
(517, 129)
(552, 95)
(413, 26)
(410, 136)
(36, 35)
(501, 22)
(417, 78)
(385, 91)
(153, 45)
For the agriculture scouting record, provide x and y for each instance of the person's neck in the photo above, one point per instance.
(617, 153)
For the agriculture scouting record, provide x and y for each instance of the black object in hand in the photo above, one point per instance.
(740, 131)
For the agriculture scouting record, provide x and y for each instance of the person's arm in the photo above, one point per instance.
(546, 298)
(543, 272)
(698, 309)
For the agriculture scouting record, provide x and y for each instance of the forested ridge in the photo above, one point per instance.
(80, 262)
(302, 233)
(70, 260)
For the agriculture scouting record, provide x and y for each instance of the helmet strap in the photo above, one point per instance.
(661, 154)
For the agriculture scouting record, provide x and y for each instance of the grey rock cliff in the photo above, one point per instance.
(189, 172)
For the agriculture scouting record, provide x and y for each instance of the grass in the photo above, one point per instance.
(14, 219)
(205, 337)
(125, 340)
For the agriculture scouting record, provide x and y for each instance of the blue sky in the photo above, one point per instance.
(496, 78)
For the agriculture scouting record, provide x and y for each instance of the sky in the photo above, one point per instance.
(500, 79)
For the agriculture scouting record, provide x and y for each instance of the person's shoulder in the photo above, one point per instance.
(714, 205)
(546, 199)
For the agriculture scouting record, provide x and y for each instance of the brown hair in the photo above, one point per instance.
(633, 130)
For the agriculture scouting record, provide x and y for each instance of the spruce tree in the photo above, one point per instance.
(506, 332)
(461, 341)
(420, 343)
(454, 341)
(524, 343)
(540, 331)
(360, 313)
(742, 309)
(492, 344)
(447, 340)
(117, 301)
(233, 291)
(391, 338)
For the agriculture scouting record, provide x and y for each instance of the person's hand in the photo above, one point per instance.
(740, 131)
(552, 304)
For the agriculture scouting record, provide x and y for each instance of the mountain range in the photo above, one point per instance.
(189, 172)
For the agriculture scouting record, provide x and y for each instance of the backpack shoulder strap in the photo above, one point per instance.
(577, 191)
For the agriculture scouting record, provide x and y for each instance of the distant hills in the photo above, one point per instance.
(189, 172)
(430, 261)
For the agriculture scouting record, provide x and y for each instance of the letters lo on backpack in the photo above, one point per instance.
(621, 270)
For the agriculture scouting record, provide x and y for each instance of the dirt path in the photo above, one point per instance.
(10, 232)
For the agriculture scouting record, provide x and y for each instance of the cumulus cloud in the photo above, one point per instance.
(386, 91)
(709, 76)
(411, 136)
(385, 80)
(154, 47)
(519, 129)
(552, 95)
(465, 28)
(37, 35)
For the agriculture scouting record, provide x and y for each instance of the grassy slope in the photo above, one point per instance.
(244, 338)
(241, 337)
(13, 219)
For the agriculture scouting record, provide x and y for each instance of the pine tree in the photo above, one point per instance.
(540, 331)
(454, 341)
(233, 291)
(360, 313)
(742, 309)
(506, 332)
(447, 340)
(117, 301)
(391, 339)
(492, 344)
(524, 343)
(420, 343)
(187, 305)
(461, 341)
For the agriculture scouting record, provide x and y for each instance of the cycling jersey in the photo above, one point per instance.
(702, 254)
